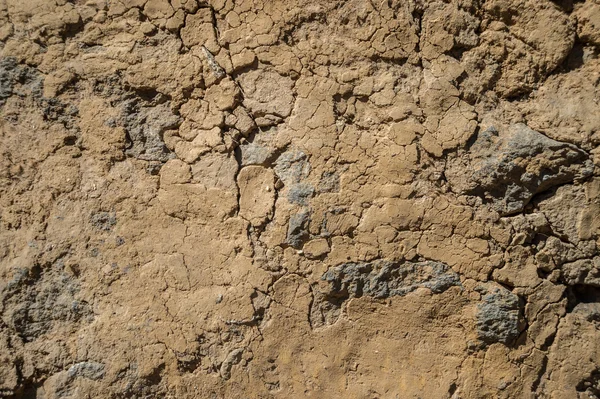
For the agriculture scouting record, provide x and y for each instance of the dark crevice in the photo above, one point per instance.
(457, 53)
(70, 140)
(240, 71)
(565, 5)
(521, 95)
(543, 274)
(149, 94)
(452, 389)
(417, 14)
(237, 154)
(581, 294)
(27, 390)
(575, 58)
(72, 30)
(155, 377)
(591, 384)
(548, 342)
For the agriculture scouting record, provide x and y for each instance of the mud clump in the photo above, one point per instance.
(290, 198)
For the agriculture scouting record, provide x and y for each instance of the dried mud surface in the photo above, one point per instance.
(299, 199)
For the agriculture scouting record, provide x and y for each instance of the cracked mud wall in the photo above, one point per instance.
(290, 199)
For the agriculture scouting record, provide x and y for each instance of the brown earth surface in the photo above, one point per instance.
(299, 199)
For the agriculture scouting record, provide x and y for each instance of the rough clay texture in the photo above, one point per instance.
(299, 199)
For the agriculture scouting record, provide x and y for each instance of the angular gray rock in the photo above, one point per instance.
(378, 279)
(383, 279)
(145, 127)
(498, 316)
(255, 154)
(300, 193)
(7, 67)
(297, 232)
(292, 166)
(508, 168)
(89, 370)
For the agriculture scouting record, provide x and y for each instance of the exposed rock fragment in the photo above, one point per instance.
(89, 370)
(18, 79)
(38, 300)
(378, 279)
(300, 193)
(508, 168)
(104, 221)
(7, 67)
(145, 127)
(297, 231)
(292, 166)
(383, 279)
(498, 316)
(255, 154)
(329, 183)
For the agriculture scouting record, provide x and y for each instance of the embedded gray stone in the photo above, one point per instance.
(383, 279)
(145, 127)
(508, 168)
(104, 221)
(498, 317)
(300, 193)
(255, 154)
(297, 232)
(89, 370)
(291, 167)
(37, 300)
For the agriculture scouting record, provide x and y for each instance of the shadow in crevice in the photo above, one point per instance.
(575, 59)
(578, 294)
